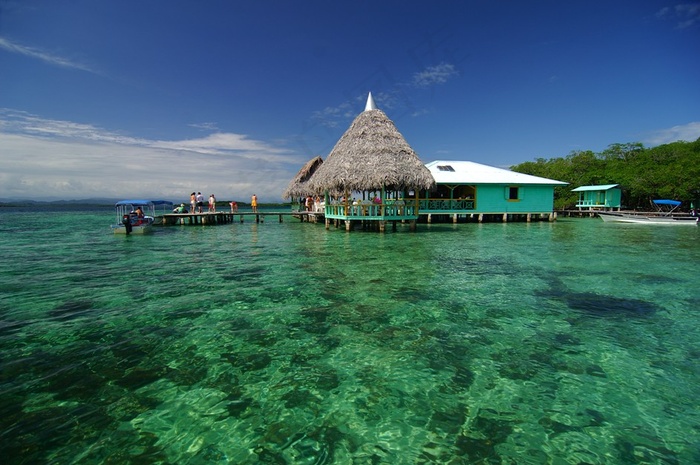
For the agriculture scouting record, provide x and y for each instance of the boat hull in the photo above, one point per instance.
(141, 229)
(640, 219)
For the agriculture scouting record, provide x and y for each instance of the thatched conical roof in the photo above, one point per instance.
(370, 155)
(298, 187)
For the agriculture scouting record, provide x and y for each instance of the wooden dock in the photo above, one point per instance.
(216, 218)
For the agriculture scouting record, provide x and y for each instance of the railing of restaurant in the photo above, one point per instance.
(433, 205)
(398, 208)
(389, 208)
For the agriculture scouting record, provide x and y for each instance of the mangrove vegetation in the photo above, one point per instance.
(669, 171)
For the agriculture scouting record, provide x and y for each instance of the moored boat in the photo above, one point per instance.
(617, 217)
(664, 215)
(136, 216)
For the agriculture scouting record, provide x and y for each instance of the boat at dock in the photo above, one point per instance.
(618, 217)
(663, 216)
(137, 216)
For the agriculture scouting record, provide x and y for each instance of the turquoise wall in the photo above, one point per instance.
(609, 198)
(532, 199)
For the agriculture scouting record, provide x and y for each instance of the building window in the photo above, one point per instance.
(445, 168)
(513, 193)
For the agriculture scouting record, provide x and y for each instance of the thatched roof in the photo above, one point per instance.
(298, 187)
(370, 155)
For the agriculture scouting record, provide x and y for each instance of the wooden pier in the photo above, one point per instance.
(216, 218)
(223, 217)
(578, 213)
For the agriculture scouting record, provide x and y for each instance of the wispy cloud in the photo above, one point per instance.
(686, 14)
(394, 96)
(225, 144)
(686, 132)
(45, 158)
(433, 75)
(43, 55)
(206, 126)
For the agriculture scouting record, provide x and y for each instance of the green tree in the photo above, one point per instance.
(644, 174)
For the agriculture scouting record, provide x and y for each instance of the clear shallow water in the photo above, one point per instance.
(573, 342)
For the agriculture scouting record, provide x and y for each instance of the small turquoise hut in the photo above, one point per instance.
(367, 175)
(604, 197)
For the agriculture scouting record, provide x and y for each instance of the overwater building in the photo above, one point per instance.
(368, 174)
(372, 176)
(486, 192)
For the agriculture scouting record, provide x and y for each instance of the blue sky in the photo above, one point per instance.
(120, 99)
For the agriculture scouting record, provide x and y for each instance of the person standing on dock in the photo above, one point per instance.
(193, 202)
(200, 202)
(212, 203)
(254, 203)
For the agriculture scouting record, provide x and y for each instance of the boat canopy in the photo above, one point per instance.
(674, 203)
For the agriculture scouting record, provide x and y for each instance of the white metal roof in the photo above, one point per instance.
(468, 172)
(603, 187)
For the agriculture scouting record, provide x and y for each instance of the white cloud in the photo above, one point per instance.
(206, 126)
(393, 97)
(687, 132)
(42, 55)
(223, 144)
(432, 75)
(43, 158)
(686, 14)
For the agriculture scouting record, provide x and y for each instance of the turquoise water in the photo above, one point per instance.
(575, 342)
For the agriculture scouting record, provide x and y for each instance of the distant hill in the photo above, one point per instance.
(86, 202)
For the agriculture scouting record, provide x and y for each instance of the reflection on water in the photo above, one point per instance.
(287, 343)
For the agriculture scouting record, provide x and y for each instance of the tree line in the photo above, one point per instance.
(669, 171)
